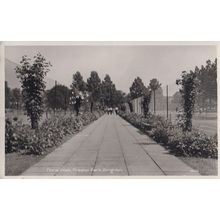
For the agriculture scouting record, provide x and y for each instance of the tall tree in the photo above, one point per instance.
(137, 88)
(108, 91)
(119, 97)
(154, 85)
(128, 99)
(94, 88)
(146, 101)
(58, 97)
(207, 83)
(31, 75)
(78, 84)
(188, 90)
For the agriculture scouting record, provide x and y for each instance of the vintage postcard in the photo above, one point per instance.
(109, 109)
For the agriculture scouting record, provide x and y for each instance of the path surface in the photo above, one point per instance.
(110, 146)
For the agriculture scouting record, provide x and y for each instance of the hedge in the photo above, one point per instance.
(20, 137)
(191, 144)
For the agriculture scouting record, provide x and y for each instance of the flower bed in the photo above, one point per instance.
(20, 137)
(193, 144)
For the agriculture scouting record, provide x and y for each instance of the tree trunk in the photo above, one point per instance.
(91, 107)
(188, 124)
(34, 123)
(76, 107)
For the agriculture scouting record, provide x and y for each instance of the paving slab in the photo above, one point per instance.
(110, 146)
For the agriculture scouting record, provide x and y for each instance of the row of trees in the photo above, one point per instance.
(138, 89)
(35, 98)
(94, 90)
(201, 83)
(102, 91)
(207, 86)
(197, 86)
(206, 91)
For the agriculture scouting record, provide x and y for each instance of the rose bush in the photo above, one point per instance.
(193, 144)
(20, 137)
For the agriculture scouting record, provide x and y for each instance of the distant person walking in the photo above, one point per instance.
(77, 104)
(110, 110)
(116, 110)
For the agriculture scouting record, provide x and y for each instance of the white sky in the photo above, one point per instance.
(122, 63)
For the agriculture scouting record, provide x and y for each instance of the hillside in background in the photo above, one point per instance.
(13, 82)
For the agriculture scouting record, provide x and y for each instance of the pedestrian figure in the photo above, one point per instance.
(77, 104)
(116, 110)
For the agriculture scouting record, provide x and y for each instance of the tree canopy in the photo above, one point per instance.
(108, 91)
(154, 84)
(207, 89)
(31, 76)
(58, 97)
(137, 88)
(94, 86)
(78, 84)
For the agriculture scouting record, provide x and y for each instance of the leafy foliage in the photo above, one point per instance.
(58, 97)
(188, 91)
(146, 101)
(13, 97)
(108, 91)
(19, 137)
(94, 86)
(119, 98)
(191, 144)
(207, 77)
(137, 88)
(109, 95)
(78, 84)
(33, 85)
(154, 84)
(16, 98)
(161, 131)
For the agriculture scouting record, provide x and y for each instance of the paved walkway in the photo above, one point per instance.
(110, 146)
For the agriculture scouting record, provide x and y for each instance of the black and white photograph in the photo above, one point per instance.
(111, 109)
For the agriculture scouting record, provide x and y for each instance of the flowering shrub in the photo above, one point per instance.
(134, 119)
(20, 137)
(161, 131)
(193, 144)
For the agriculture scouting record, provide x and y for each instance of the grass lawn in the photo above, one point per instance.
(16, 163)
(207, 167)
